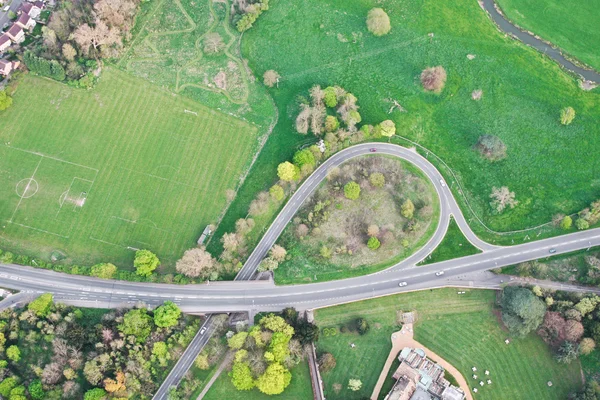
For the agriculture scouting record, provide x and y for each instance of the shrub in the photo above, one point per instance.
(326, 362)
(354, 384)
(566, 223)
(386, 128)
(491, 147)
(581, 224)
(104, 270)
(567, 115)
(362, 325)
(352, 190)
(373, 243)
(407, 209)
(378, 22)
(377, 179)
(277, 192)
(433, 79)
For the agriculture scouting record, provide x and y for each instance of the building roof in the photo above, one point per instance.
(26, 7)
(4, 39)
(24, 19)
(453, 393)
(4, 63)
(15, 30)
(39, 4)
(421, 394)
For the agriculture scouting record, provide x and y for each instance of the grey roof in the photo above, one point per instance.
(421, 394)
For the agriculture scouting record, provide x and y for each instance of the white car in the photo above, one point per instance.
(439, 273)
(401, 284)
(442, 183)
(202, 330)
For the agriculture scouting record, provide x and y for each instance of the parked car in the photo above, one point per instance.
(401, 284)
(439, 273)
(373, 150)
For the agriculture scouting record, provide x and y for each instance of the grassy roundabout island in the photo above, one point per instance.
(368, 214)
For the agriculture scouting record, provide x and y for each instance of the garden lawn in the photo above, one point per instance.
(569, 24)
(454, 245)
(116, 168)
(463, 329)
(523, 93)
(299, 389)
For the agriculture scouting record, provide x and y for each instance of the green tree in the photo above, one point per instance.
(331, 123)
(330, 97)
(373, 243)
(581, 224)
(378, 22)
(567, 115)
(241, 376)
(407, 209)
(36, 391)
(522, 311)
(276, 323)
(567, 352)
(277, 192)
(17, 393)
(161, 353)
(352, 190)
(103, 270)
(362, 325)
(95, 394)
(306, 332)
(202, 362)
(41, 306)
(304, 157)
(279, 346)
(288, 171)
(354, 384)
(7, 385)
(387, 128)
(237, 341)
(145, 262)
(167, 315)
(5, 100)
(137, 323)
(377, 179)
(13, 353)
(566, 223)
(275, 379)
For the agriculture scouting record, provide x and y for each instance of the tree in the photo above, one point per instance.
(378, 22)
(196, 262)
(331, 123)
(407, 209)
(501, 198)
(306, 332)
(5, 100)
(96, 36)
(352, 190)
(276, 323)
(567, 115)
(522, 311)
(69, 52)
(491, 147)
(567, 352)
(373, 230)
(354, 385)
(566, 223)
(41, 306)
(377, 179)
(95, 394)
(213, 43)
(103, 270)
(373, 243)
(271, 78)
(167, 315)
(137, 323)
(241, 376)
(581, 224)
(587, 346)
(268, 264)
(587, 305)
(330, 97)
(36, 391)
(160, 351)
(573, 331)
(237, 341)
(13, 353)
(201, 361)
(278, 253)
(362, 325)
(304, 157)
(288, 171)
(386, 128)
(433, 79)
(275, 379)
(145, 262)
(326, 362)
(7, 385)
(277, 192)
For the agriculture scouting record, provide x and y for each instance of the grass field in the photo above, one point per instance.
(462, 329)
(523, 93)
(300, 388)
(93, 173)
(454, 245)
(569, 24)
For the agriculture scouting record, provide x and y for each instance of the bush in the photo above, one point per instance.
(491, 147)
(326, 362)
(377, 179)
(566, 223)
(104, 270)
(373, 243)
(433, 79)
(352, 190)
(567, 115)
(378, 22)
(277, 192)
(362, 325)
(581, 224)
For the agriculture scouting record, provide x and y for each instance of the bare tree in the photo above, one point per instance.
(52, 374)
(271, 78)
(278, 253)
(317, 118)
(213, 43)
(94, 37)
(68, 51)
(434, 79)
(116, 13)
(196, 262)
(501, 198)
(303, 119)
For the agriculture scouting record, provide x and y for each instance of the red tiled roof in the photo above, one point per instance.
(15, 30)
(4, 63)
(4, 39)
(26, 7)
(24, 19)
(39, 4)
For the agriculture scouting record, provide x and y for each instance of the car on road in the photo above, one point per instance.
(202, 330)
(401, 284)
(5, 9)
(552, 251)
(442, 183)
(373, 150)
(439, 273)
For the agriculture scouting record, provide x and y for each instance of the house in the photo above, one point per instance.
(418, 378)
(4, 43)
(25, 21)
(31, 9)
(7, 66)
(16, 33)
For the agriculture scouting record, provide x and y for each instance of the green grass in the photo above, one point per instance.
(299, 389)
(591, 365)
(463, 329)
(569, 24)
(454, 245)
(153, 175)
(523, 94)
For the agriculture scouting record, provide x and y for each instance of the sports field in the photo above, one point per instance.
(126, 165)
(571, 25)
(463, 329)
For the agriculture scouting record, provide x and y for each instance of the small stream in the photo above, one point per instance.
(527, 38)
